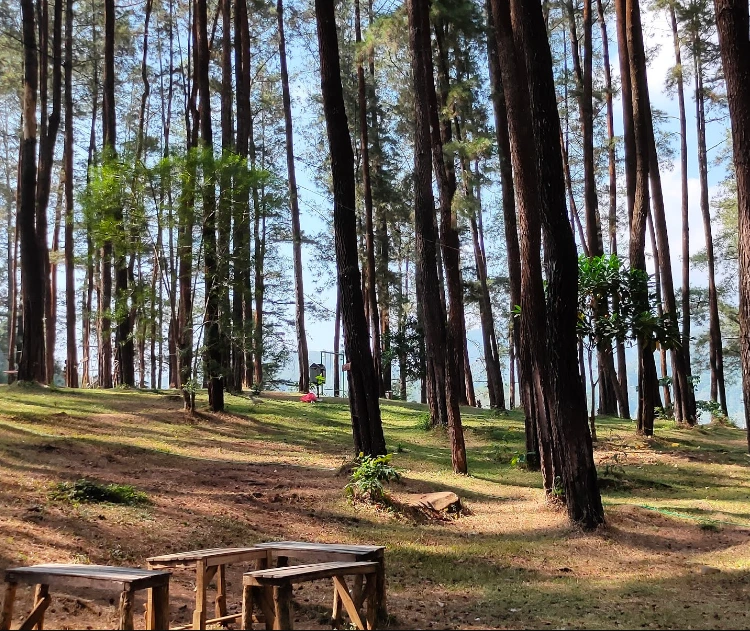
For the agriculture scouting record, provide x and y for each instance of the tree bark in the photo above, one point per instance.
(71, 375)
(363, 387)
(636, 70)
(299, 294)
(685, 296)
(369, 275)
(32, 364)
(732, 25)
(716, 354)
(567, 404)
(440, 344)
(526, 368)
(213, 355)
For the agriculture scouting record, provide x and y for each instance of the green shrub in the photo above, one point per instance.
(424, 422)
(88, 492)
(368, 476)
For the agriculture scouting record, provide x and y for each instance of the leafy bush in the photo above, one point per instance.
(424, 422)
(88, 492)
(368, 477)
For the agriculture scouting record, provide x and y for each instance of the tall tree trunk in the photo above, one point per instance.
(684, 187)
(241, 295)
(32, 364)
(370, 279)
(299, 294)
(224, 214)
(71, 374)
(213, 356)
(716, 354)
(732, 25)
(635, 68)
(47, 140)
(567, 404)
(445, 174)
(336, 344)
(12, 262)
(441, 344)
(513, 253)
(659, 310)
(363, 387)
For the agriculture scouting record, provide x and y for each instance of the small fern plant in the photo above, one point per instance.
(368, 478)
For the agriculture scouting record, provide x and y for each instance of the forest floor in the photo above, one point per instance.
(674, 553)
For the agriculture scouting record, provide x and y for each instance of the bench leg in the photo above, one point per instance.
(371, 596)
(382, 608)
(126, 610)
(246, 622)
(282, 604)
(6, 615)
(221, 591)
(264, 595)
(199, 613)
(336, 616)
(41, 593)
(158, 617)
(346, 598)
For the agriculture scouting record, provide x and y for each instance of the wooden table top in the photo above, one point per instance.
(130, 579)
(310, 572)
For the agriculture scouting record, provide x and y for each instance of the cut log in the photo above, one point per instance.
(443, 501)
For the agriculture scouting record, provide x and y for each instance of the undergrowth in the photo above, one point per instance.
(89, 492)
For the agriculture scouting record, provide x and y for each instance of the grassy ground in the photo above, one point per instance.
(675, 551)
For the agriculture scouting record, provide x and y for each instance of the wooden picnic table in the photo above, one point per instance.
(329, 552)
(209, 564)
(127, 580)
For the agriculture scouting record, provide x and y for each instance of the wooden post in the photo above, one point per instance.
(159, 612)
(221, 591)
(371, 592)
(247, 607)
(336, 609)
(126, 610)
(41, 592)
(282, 599)
(382, 607)
(150, 620)
(199, 614)
(265, 597)
(7, 612)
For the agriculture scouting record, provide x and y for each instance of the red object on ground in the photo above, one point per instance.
(309, 397)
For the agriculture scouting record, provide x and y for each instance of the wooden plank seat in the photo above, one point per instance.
(309, 552)
(271, 589)
(126, 580)
(210, 564)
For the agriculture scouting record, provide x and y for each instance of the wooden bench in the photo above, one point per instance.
(272, 590)
(308, 552)
(210, 564)
(127, 580)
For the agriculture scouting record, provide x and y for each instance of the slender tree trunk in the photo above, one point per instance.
(213, 355)
(732, 25)
(363, 387)
(336, 344)
(32, 364)
(526, 368)
(12, 263)
(440, 344)
(70, 288)
(623, 404)
(659, 310)
(684, 186)
(443, 164)
(716, 354)
(299, 294)
(369, 275)
(636, 70)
